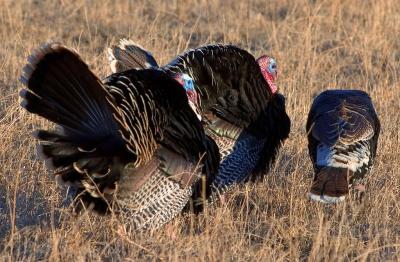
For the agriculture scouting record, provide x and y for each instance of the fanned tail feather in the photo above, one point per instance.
(82, 149)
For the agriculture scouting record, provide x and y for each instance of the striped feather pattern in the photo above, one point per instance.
(237, 108)
(225, 144)
(227, 79)
(163, 195)
(136, 111)
(234, 92)
(343, 132)
(115, 140)
(129, 55)
(234, 168)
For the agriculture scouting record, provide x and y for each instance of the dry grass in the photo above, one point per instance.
(318, 45)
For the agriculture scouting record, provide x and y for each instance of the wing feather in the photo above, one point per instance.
(129, 55)
(228, 80)
(345, 116)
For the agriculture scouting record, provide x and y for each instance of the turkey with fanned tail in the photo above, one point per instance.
(236, 98)
(129, 144)
(343, 130)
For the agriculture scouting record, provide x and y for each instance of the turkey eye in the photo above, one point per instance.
(188, 84)
(272, 68)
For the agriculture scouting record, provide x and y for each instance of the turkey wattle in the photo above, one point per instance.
(343, 130)
(237, 100)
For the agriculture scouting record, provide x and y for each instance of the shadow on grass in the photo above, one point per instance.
(30, 209)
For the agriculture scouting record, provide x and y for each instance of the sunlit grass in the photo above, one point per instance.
(318, 45)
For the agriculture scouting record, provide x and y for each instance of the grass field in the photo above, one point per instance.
(318, 45)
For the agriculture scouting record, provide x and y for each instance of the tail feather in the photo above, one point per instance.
(85, 147)
(129, 55)
(330, 185)
(63, 90)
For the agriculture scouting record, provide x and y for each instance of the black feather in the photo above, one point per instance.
(232, 88)
(102, 127)
(344, 122)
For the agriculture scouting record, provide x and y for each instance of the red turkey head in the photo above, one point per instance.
(269, 71)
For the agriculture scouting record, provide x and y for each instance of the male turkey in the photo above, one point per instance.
(236, 98)
(343, 131)
(129, 144)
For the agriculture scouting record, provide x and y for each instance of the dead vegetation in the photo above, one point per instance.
(318, 45)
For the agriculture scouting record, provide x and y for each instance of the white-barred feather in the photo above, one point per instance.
(353, 159)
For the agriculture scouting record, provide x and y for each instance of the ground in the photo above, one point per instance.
(318, 45)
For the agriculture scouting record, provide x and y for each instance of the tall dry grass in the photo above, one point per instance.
(318, 45)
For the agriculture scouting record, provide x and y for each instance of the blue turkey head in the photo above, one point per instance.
(188, 82)
(272, 67)
(193, 98)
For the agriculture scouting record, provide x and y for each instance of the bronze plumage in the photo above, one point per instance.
(343, 130)
(115, 139)
(237, 106)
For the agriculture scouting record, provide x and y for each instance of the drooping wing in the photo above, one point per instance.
(228, 80)
(154, 108)
(129, 55)
(233, 94)
(345, 116)
(235, 99)
(182, 135)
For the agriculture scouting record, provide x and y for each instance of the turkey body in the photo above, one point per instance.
(343, 130)
(129, 144)
(235, 104)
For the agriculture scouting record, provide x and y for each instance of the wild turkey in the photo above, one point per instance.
(129, 144)
(343, 131)
(236, 98)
